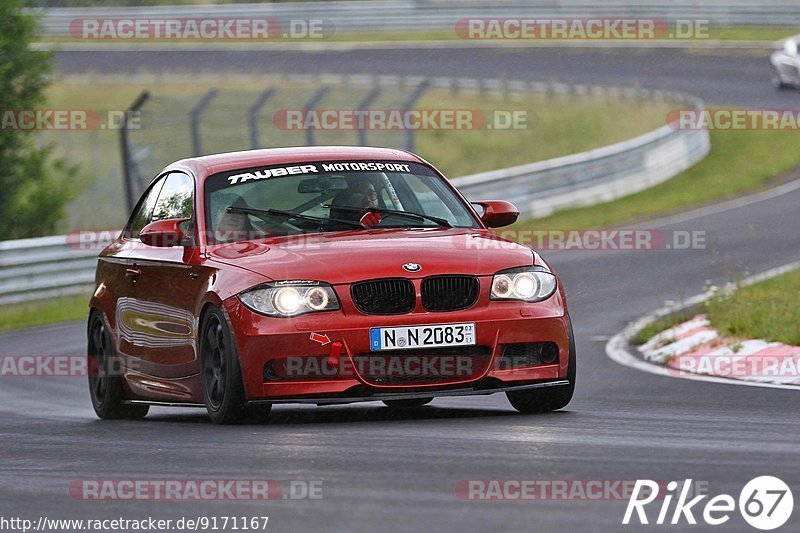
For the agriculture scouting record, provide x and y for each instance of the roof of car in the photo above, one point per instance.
(211, 164)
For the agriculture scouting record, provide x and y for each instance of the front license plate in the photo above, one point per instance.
(435, 335)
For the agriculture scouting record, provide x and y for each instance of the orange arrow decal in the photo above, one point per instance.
(321, 338)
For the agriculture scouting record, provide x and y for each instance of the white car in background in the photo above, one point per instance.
(786, 64)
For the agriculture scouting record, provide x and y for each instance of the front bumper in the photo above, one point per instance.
(378, 396)
(263, 341)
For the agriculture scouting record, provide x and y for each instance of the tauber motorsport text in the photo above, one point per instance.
(305, 169)
(765, 503)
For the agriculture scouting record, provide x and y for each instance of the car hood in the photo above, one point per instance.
(345, 257)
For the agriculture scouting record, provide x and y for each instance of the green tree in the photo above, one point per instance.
(34, 186)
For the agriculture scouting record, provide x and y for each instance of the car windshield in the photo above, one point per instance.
(298, 198)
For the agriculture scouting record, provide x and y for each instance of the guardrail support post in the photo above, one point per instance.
(252, 116)
(125, 149)
(194, 120)
(311, 104)
(408, 104)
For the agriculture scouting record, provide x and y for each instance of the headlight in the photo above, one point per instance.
(290, 298)
(529, 284)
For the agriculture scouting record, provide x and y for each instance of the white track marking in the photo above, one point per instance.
(617, 346)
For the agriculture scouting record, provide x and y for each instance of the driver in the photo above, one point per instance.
(234, 226)
(364, 194)
(361, 193)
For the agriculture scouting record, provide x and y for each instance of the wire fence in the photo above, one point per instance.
(191, 115)
(222, 120)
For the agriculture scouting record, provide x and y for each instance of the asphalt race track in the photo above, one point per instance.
(397, 471)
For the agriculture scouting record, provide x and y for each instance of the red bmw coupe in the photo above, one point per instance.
(321, 275)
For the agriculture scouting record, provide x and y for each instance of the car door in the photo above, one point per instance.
(157, 320)
(114, 270)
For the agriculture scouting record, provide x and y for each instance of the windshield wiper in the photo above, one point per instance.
(408, 214)
(289, 215)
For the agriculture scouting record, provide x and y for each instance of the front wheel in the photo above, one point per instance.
(105, 379)
(547, 399)
(223, 388)
(777, 80)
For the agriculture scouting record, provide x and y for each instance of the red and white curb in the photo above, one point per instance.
(678, 351)
(695, 347)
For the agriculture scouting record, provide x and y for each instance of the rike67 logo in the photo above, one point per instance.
(765, 503)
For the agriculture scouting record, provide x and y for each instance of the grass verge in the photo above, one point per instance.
(739, 162)
(654, 328)
(553, 127)
(39, 313)
(769, 310)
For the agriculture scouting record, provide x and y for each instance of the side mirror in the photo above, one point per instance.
(163, 233)
(497, 213)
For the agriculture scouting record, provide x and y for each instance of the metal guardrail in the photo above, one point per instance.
(601, 175)
(401, 15)
(39, 268)
(541, 188)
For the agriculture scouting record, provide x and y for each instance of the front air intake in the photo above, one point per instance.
(383, 296)
(449, 293)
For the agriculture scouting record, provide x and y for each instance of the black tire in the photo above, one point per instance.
(777, 81)
(105, 379)
(549, 398)
(223, 388)
(405, 404)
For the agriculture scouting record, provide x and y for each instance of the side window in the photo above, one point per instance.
(141, 215)
(176, 199)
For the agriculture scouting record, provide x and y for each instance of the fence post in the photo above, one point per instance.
(194, 120)
(362, 106)
(125, 150)
(252, 116)
(408, 104)
(311, 104)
